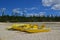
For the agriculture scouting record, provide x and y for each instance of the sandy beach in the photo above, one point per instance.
(54, 34)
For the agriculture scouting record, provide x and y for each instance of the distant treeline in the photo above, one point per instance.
(8, 18)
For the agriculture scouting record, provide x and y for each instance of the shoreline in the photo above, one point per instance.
(17, 35)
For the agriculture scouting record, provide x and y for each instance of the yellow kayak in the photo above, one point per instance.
(37, 30)
(29, 28)
(20, 27)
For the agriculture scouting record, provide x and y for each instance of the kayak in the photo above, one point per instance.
(29, 28)
(20, 27)
(37, 30)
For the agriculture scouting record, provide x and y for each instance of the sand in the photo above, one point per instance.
(54, 34)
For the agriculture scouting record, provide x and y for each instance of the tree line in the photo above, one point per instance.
(7, 18)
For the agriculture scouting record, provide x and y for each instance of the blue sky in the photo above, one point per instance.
(30, 7)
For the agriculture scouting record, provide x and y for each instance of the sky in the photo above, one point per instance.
(30, 7)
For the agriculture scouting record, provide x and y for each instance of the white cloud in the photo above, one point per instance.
(41, 13)
(33, 8)
(56, 7)
(16, 10)
(2, 9)
(55, 4)
(29, 14)
(36, 14)
(25, 11)
(47, 2)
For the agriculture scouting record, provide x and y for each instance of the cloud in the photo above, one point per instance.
(2, 9)
(19, 11)
(36, 14)
(30, 14)
(25, 11)
(47, 2)
(55, 4)
(41, 13)
(56, 7)
(33, 8)
(16, 10)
